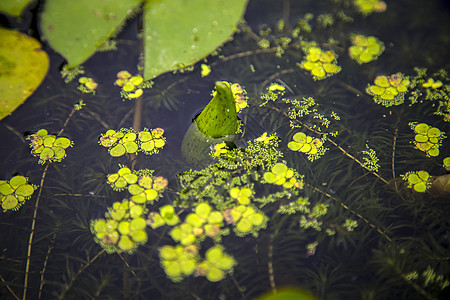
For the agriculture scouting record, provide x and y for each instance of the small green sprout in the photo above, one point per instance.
(427, 138)
(206, 70)
(419, 181)
(366, 7)
(350, 224)
(132, 86)
(432, 84)
(131, 141)
(365, 48)
(87, 85)
(48, 147)
(446, 163)
(280, 174)
(14, 192)
(320, 63)
(389, 90)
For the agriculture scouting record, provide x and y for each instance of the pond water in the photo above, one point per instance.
(349, 227)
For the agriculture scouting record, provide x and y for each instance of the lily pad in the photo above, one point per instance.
(13, 7)
(77, 28)
(23, 66)
(180, 33)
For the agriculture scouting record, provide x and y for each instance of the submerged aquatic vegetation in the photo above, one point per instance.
(87, 85)
(14, 192)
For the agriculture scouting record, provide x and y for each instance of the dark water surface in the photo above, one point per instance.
(399, 231)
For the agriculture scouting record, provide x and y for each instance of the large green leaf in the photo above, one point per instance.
(13, 7)
(179, 33)
(77, 28)
(23, 66)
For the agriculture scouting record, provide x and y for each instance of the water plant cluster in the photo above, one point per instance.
(365, 49)
(48, 147)
(14, 192)
(131, 141)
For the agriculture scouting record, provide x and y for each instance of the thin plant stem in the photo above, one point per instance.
(81, 270)
(394, 143)
(7, 286)
(33, 225)
(42, 282)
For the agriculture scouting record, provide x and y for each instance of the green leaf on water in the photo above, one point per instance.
(23, 66)
(180, 33)
(13, 7)
(77, 28)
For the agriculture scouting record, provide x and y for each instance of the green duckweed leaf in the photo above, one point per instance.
(180, 33)
(23, 66)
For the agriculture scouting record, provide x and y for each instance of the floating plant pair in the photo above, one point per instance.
(124, 226)
(131, 141)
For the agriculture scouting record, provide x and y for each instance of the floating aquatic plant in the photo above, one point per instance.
(435, 89)
(309, 145)
(123, 228)
(48, 147)
(14, 192)
(366, 7)
(280, 174)
(87, 85)
(206, 70)
(246, 219)
(131, 141)
(427, 138)
(419, 180)
(320, 63)
(389, 90)
(132, 86)
(365, 48)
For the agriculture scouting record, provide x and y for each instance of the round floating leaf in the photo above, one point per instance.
(139, 236)
(318, 71)
(60, 153)
(25, 190)
(95, 21)
(62, 142)
(9, 202)
(117, 150)
(131, 147)
(434, 151)
(420, 187)
(420, 138)
(46, 154)
(135, 189)
(299, 137)
(6, 189)
(421, 128)
(434, 132)
(145, 136)
(414, 178)
(377, 90)
(23, 66)
(125, 243)
(244, 226)
(180, 33)
(382, 81)
(215, 274)
(17, 181)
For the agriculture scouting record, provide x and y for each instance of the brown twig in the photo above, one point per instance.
(7, 286)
